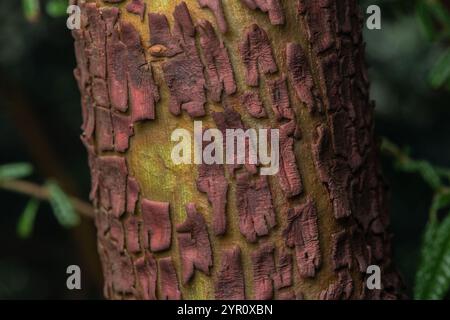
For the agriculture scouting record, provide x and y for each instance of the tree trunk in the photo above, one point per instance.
(197, 231)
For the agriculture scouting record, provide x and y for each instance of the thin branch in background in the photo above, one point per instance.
(48, 162)
(42, 193)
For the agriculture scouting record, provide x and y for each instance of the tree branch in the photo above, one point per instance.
(41, 192)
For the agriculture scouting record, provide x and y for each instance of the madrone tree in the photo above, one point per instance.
(195, 231)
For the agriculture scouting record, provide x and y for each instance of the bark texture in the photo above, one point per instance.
(146, 68)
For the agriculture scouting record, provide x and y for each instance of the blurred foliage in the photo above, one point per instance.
(434, 19)
(62, 206)
(31, 9)
(440, 74)
(59, 201)
(36, 66)
(27, 219)
(54, 8)
(15, 171)
(433, 275)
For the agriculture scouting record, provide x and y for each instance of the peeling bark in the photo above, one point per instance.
(230, 283)
(226, 231)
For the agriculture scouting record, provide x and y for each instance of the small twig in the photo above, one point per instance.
(403, 158)
(390, 148)
(41, 192)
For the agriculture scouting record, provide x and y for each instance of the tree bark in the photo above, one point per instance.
(166, 231)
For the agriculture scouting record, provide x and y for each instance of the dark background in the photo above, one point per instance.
(40, 119)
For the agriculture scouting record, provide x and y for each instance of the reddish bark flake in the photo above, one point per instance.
(216, 7)
(341, 254)
(331, 81)
(137, 7)
(102, 223)
(361, 251)
(168, 280)
(334, 173)
(356, 157)
(132, 195)
(95, 173)
(113, 174)
(342, 289)
(82, 71)
(272, 7)
(263, 269)
(252, 102)
(364, 199)
(300, 75)
(321, 23)
(289, 175)
(302, 234)
(211, 180)
(340, 133)
(184, 73)
(109, 16)
(116, 232)
(103, 129)
(156, 225)
(146, 273)
(184, 27)
(376, 244)
(230, 119)
(186, 83)
(100, 93)
(116, 53)
(142, 89)
(280, 99)
(257, 54)
(120, 268)
(122, 274)
(132, 225)
(283, 277)
(230, 283)
(163, 44)
(254, 202)
(287, 295)
(88, 126)
(123, 130)
(217, 62)
(195, 248)
(105, 263)
(96, 38)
